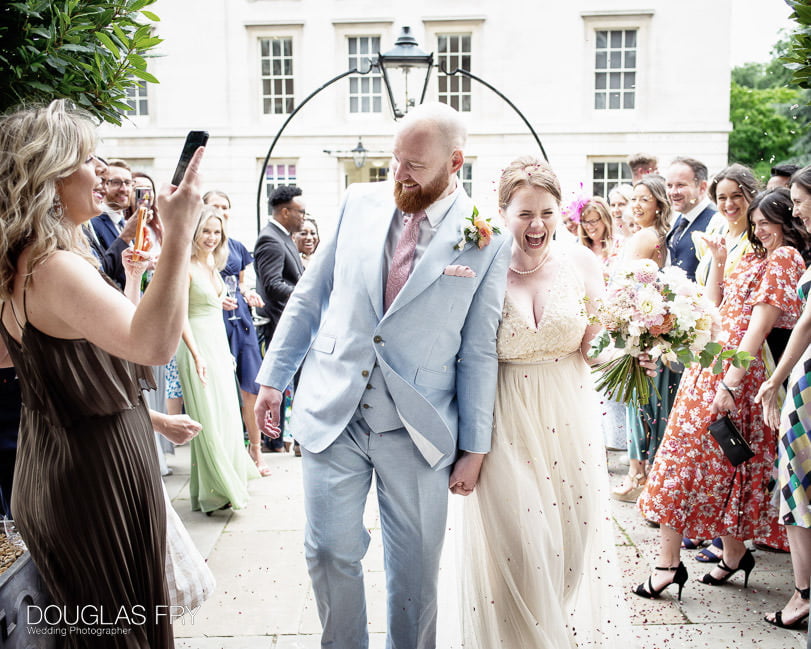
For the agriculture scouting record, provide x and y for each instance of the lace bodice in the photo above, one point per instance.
(560, 329)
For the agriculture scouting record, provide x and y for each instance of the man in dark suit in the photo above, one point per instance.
(278, 266)
(686, 180)
(117, 189)
(110, 232)
(277, 261)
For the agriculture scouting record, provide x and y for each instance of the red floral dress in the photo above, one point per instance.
(693, 488)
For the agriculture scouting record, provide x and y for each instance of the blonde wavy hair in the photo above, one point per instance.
(221, 251)
(38, 148)
(529, 171)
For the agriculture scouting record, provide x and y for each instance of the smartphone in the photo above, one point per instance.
(143, 196)
(194, 140)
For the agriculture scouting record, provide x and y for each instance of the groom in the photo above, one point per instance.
(396, 330)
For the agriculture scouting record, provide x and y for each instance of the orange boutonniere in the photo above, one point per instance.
(477, 230)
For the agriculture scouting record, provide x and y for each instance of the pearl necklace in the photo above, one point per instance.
(531, 270)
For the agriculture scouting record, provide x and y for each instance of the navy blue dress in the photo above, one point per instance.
(241, 333)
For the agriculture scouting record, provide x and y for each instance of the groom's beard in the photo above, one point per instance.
(413, 200)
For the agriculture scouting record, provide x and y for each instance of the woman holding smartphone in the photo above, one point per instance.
(86, 456)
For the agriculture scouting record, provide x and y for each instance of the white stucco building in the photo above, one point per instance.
(597, 79)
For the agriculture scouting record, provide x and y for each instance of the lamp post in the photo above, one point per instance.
(407, 57)
(359, 155)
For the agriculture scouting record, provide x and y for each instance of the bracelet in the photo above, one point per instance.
(731, 391)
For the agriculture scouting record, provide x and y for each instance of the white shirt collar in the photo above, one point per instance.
(436, 211)
(280, 226)
(115, 215)
(698, 209)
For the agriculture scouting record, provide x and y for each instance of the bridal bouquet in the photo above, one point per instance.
(659, 313)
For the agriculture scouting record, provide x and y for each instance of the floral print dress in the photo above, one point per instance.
(693, 488)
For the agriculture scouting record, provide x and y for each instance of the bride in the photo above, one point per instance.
(540, 566)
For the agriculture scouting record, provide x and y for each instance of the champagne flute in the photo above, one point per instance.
(231, 287)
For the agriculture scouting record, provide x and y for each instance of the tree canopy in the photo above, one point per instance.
(770, 122)
(88, 51)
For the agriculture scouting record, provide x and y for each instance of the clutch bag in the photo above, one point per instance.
(732, 443)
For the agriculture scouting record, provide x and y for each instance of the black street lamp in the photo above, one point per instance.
(404, 56)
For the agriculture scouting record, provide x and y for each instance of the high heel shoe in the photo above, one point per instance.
(256, 452)
(798, 623)
(747, 564)
(679, 577)
(636, 484)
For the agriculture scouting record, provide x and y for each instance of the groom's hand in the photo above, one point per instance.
(266, 410)
(465, 473)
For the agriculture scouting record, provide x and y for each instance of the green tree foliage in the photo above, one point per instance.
(798, 55)
(89, 51)
(763, 133)
(769, 123)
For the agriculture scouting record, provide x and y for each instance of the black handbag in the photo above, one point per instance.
(732, 443)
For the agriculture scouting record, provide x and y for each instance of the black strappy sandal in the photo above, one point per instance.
(798, 623)
(680, 578)
(747, 564)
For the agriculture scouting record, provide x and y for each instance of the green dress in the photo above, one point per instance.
(220, 465)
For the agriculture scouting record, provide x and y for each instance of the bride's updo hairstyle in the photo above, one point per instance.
(527, 171)
(38, 148)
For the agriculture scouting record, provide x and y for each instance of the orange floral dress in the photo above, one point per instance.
(693, 488)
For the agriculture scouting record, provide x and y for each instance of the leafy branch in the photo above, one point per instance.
(89, 51)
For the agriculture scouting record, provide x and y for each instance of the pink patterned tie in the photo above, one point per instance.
(402, 261)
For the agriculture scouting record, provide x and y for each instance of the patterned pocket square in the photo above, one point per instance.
(459, 271)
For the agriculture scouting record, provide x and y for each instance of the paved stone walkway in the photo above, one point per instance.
(264, 601)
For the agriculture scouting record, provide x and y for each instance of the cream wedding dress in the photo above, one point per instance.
(539, 567)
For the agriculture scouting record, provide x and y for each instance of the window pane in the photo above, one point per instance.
(630, 38)
(600, 80)
(630, 58)
(599, 100)
(600, 60)
(614, 100)
(616, 59)
(628, 100)
(454, 53)
(614, 80)
(629, 80)
(598, 169)
(616, 39)
(365, 91)
(602, 39)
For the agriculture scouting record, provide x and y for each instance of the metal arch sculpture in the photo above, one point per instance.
(372, 65)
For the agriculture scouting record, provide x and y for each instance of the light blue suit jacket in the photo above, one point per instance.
(436, 345)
